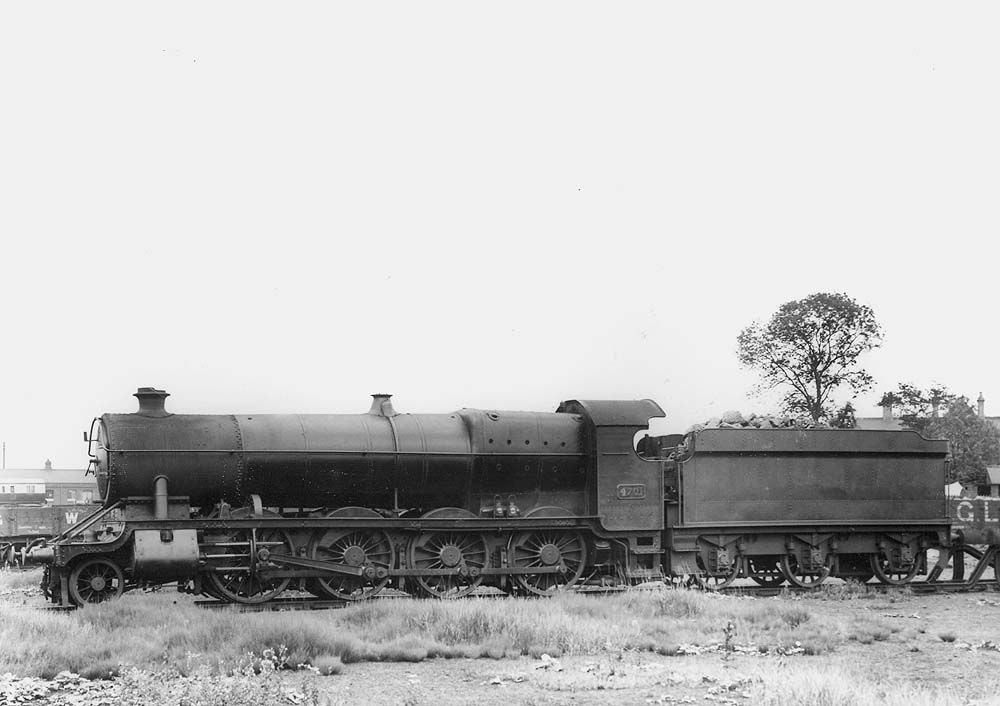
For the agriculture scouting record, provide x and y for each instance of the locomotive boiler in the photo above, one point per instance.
(379, 460)
(246, 507)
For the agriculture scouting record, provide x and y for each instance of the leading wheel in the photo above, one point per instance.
(548, 549)
(802, 578)
(368, 549)
(96, 581)
(892, 575)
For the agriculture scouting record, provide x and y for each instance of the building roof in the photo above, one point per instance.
(993, 472)
(889, 422)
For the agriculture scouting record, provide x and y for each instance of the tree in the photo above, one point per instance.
(844, 418)
(917, 407)
(809, 348)
(938, 414)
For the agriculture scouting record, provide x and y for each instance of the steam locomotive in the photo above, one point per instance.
(245, 507)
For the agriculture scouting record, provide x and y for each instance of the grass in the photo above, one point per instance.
(853, 590)
(165, 631)
(16, 579)
(243, 687)
(767, 683)
(162, 649)
(820, 685)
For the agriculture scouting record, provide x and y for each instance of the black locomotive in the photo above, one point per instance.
(243, 507)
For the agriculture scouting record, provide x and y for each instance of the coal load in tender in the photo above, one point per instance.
(736, 420)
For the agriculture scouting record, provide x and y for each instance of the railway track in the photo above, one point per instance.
(921, 587)
(976, 573)
(918, 587)
(310, 603)
(276, 605)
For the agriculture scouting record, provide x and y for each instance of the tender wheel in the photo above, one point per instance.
(459, 553)
(370, 549)
(96, 581)
(801, 578)
(543, 549)
(714, 582)
(886, 573)
(765, 571)
(236, 558)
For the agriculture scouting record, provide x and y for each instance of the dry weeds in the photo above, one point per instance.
(164, 630)
(160, 648)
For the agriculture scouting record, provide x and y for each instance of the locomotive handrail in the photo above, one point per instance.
(405, 524)
(852, 523)
(91, 438)
(332, 452)
(93, 462)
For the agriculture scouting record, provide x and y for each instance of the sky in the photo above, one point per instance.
(284, 208)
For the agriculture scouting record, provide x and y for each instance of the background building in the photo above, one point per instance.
(55, 486)
(888, 421)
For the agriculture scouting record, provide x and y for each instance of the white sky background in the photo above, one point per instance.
(287, 207)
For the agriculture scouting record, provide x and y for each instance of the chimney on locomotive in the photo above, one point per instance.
(382, 405)
(151, 402)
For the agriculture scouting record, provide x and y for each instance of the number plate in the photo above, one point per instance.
(631, 491)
